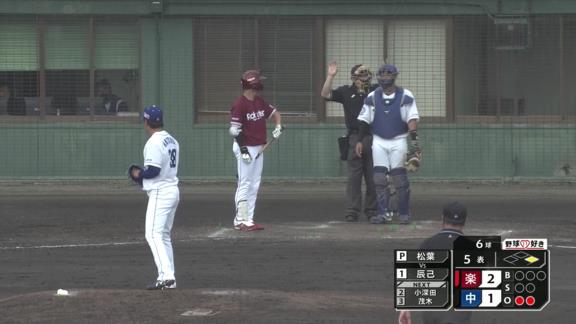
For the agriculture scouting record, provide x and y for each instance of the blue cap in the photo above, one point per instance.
(153, 113)
(387, 68)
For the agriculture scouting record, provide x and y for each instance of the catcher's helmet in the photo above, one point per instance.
(387, 75)
(252, 79)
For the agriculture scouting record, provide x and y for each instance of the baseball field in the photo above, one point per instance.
(307, 266)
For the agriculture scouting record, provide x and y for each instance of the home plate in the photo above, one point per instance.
(200, 312)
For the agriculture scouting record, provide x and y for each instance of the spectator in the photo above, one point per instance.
(15, 104)
(111, 104)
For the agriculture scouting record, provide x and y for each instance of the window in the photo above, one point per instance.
(514, 67)
(69, 66)
(344, 38)
(116, 67)
(282, 48)
(416, 47)
(225, 48)
(18, 66)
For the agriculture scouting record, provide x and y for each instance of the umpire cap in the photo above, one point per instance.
(454, 213)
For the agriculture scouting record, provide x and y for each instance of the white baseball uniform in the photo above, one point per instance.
(162, 151)
(251, 117)
(389, 152)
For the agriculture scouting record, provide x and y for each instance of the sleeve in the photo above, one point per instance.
(367, 113)
(337, 95)
(410, 110)
(150, 172)
(236, 115)
(153, 155)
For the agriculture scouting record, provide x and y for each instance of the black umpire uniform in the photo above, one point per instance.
(352, 100)
(454, 217)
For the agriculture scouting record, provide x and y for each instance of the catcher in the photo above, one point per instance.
(393, 115)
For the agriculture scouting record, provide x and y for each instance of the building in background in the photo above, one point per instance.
(493, 79)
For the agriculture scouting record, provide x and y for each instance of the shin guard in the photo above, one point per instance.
(399, 180)
(382, 188)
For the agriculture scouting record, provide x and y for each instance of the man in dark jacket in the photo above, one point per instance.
(111, 104)
(454, 218)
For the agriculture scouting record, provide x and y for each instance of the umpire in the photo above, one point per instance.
(352, 99)
(454, 218)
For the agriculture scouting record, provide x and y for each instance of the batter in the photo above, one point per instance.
(248, 127)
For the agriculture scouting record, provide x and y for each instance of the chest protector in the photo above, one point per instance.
(388, 121)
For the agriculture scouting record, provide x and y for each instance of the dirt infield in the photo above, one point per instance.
(307, 266)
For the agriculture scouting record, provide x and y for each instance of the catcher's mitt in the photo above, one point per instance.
(134, 174)
(413, 160)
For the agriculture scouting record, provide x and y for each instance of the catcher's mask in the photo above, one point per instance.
(387, 75)
(360, 72)
(252, 79)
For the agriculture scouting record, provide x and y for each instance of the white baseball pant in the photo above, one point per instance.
(162, 204)
(389, 153)
(249, 177)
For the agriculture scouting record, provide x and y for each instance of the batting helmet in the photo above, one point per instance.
(387, 75)
(252, 79)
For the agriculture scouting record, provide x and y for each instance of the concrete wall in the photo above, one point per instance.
(67, 151)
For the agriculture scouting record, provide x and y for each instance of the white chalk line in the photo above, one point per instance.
(562, 246)
(60, 246)
(216, 235)
(219, 233)
(228, 233)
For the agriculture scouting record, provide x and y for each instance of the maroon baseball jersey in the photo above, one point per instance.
(251, 116)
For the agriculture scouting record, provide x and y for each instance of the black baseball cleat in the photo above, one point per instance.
(382, 218)
(162, 284)
(405, 220)
(351, 218)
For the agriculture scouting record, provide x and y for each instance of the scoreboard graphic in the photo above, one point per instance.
(480, 273)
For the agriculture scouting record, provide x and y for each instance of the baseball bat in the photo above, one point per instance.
(266, 145)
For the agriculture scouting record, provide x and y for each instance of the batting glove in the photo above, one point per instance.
(246, 157)
(277, 131)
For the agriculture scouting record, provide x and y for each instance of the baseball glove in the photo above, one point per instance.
(413, 160)
(414, 156)
(134, 174)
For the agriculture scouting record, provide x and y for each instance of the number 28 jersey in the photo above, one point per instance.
(162, 151)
